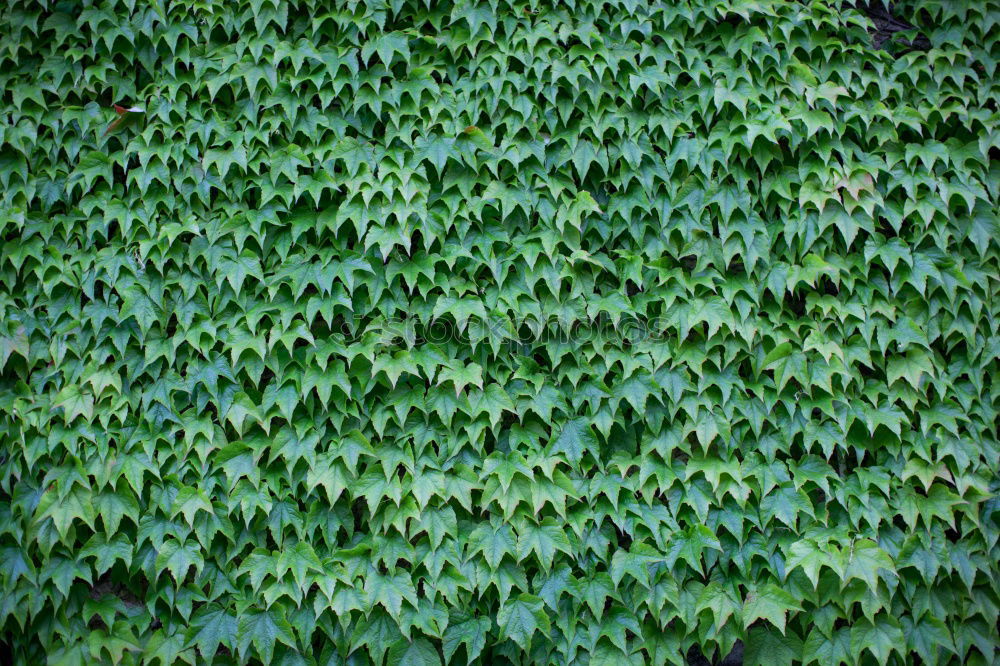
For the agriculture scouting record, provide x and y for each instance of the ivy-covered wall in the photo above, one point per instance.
(418, 332)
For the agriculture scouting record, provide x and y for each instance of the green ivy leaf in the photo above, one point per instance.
(770, 603)
(521, 618)
(263, 629)
(881, 638)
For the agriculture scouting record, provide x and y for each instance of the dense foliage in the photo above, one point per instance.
(416, 333)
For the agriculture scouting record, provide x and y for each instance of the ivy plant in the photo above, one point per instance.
(484, 332)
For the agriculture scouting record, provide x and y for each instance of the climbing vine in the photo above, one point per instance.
(590, 332)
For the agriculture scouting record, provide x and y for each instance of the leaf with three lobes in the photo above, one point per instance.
(521, 618)
(263, 629)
